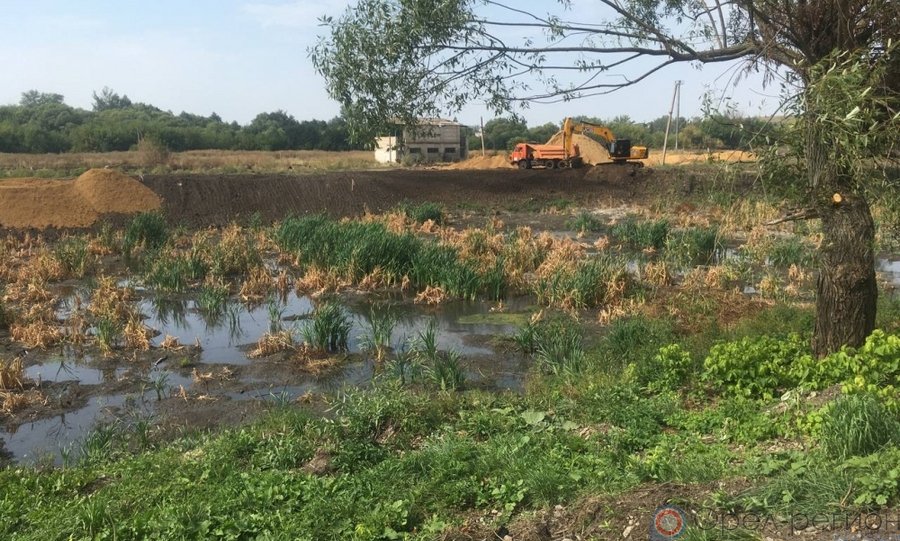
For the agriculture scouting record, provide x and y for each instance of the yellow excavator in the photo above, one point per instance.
(620, 150)
(528, 155)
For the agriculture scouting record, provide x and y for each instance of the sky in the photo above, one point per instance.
(238, 58)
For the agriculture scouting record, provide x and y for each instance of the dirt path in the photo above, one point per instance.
(219, 199)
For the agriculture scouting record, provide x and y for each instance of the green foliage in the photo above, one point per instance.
(763, 366)
(73, 255)
(43, 123)
(693, 246)
(147, 230)
(633, 340)
(877, 482)
(442, 369)
(585, 222)
(592, 282)
(108, 331)
(858, 425)
(329, 328)
(555, 343)
(174, 272)
(756, 367)
(355, 249)
(423, 212)
(641, 234)
(668, 370)
(380, 326)
(785, 252)
(212, 299)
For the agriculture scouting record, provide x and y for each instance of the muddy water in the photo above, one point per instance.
(119, 389)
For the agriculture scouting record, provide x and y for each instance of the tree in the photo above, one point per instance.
(107, 99)
(33, 98)
(425, 57)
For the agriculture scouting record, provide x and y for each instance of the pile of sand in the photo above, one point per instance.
(591, 151)
(40, 203)
(499, 161)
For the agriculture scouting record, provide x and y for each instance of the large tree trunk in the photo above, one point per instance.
(846, 291)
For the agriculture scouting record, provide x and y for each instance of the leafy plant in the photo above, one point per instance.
(73, 255)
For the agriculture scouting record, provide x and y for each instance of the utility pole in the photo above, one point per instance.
(669, 122)
(482, 137)
(677, 110)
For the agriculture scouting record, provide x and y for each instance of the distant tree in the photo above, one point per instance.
(543, 133)
(33, 98)
(107, 99)
(504, 133)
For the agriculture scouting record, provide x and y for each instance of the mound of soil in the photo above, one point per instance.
(499, 161)
(591, 151)
(42, 203)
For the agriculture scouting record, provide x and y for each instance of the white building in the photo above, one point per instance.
(435, 140)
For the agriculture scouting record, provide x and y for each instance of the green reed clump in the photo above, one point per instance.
(785, 252)
(147, 230)
(693, 246)
(423, 212)
(72, 253)
(328, 329)
(555, 343)
(858, 425)
(379, 329)
(172, 272)
(585, 222)
(212, 299)
(641, 234)
(355, 249)
(591, 283)
(442, 369)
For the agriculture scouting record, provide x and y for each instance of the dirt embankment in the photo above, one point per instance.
(219, 199)
(42, 203)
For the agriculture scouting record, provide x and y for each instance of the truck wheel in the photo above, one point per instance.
(551, 164)
(523, 164)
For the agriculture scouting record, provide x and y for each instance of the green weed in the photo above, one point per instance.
(592, 283)
(693, 246)
(380, 327)
(212, 299)
(555, 343)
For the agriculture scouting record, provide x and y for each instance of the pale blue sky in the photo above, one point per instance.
(241, 57)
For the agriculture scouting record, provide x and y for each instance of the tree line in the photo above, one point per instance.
(44, 123)
(720, 131)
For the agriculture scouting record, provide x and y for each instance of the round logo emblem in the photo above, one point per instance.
(668, 523)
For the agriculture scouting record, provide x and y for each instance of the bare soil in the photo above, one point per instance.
(203, 200)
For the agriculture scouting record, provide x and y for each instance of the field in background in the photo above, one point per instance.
(206, 161)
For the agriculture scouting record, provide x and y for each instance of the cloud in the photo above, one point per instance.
(296, 14)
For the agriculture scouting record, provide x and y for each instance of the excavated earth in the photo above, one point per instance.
(201, 200)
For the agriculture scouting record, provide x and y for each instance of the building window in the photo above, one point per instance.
(433, 150)
(450, 150)
(415, 150)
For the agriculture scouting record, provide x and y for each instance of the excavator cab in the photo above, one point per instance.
(620, 148)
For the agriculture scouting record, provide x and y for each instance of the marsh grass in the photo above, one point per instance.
(147, 230)
(693, 246)
(12, 374)
(108, 331)
(328, 329)
(212, 298)
(641, 234)
(589, 283)
(174, 272)
(584, 222)
(423, 212)
(355, 250)
(555, 343)
(74, 256)
(379, 328)
(441, 369)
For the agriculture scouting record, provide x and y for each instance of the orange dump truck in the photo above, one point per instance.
(528, 155)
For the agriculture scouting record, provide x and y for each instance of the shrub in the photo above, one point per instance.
(668, 370)
(857, 425)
